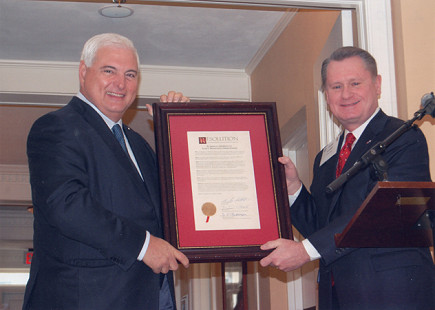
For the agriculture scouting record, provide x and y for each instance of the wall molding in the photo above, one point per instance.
(61, 78)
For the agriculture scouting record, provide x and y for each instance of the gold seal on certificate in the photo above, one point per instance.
(209, 209)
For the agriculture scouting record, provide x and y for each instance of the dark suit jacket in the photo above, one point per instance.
(367, 278)
(91, 210)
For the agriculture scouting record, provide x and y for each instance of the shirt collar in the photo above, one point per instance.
(358, 132)
(107, 120)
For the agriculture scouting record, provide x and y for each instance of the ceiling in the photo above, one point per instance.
(165, 33)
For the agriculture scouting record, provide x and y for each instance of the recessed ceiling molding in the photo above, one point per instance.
(270, 41)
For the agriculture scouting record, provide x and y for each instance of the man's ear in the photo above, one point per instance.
(326, 97)
(378, 85)
(82, 72)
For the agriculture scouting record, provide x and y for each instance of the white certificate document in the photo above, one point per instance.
(223, 181)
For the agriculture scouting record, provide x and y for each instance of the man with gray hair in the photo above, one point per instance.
(98, 228)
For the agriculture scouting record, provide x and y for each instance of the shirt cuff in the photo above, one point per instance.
(292, 198)
(311, 250)
(144, 248)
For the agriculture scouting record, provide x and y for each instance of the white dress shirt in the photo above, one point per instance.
(311, 250)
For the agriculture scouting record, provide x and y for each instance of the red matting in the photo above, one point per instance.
(188, 237)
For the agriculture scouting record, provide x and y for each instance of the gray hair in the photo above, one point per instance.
(105, 39)
(348, 52)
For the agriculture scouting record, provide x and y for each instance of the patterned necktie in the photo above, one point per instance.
(344, 153)
(117, 131)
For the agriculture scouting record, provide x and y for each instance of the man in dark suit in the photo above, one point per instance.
(356, 278)
(98, 228)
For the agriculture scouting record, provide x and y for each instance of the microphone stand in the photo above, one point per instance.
(373, 156)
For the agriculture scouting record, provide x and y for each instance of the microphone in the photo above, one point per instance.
(428, 104)
(373, 157)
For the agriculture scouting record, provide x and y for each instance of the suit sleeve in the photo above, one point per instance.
(60, 180)
(407, 159)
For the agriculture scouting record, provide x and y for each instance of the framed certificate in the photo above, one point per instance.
(223, 190)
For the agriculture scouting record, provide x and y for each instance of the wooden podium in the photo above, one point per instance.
(394, 214)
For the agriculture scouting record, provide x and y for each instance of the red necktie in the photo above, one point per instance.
(344, 152)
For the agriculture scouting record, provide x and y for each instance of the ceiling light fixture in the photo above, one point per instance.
(116, 11)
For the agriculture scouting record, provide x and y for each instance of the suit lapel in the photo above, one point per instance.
(146, 166)
(368, 139)
(97, 123)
